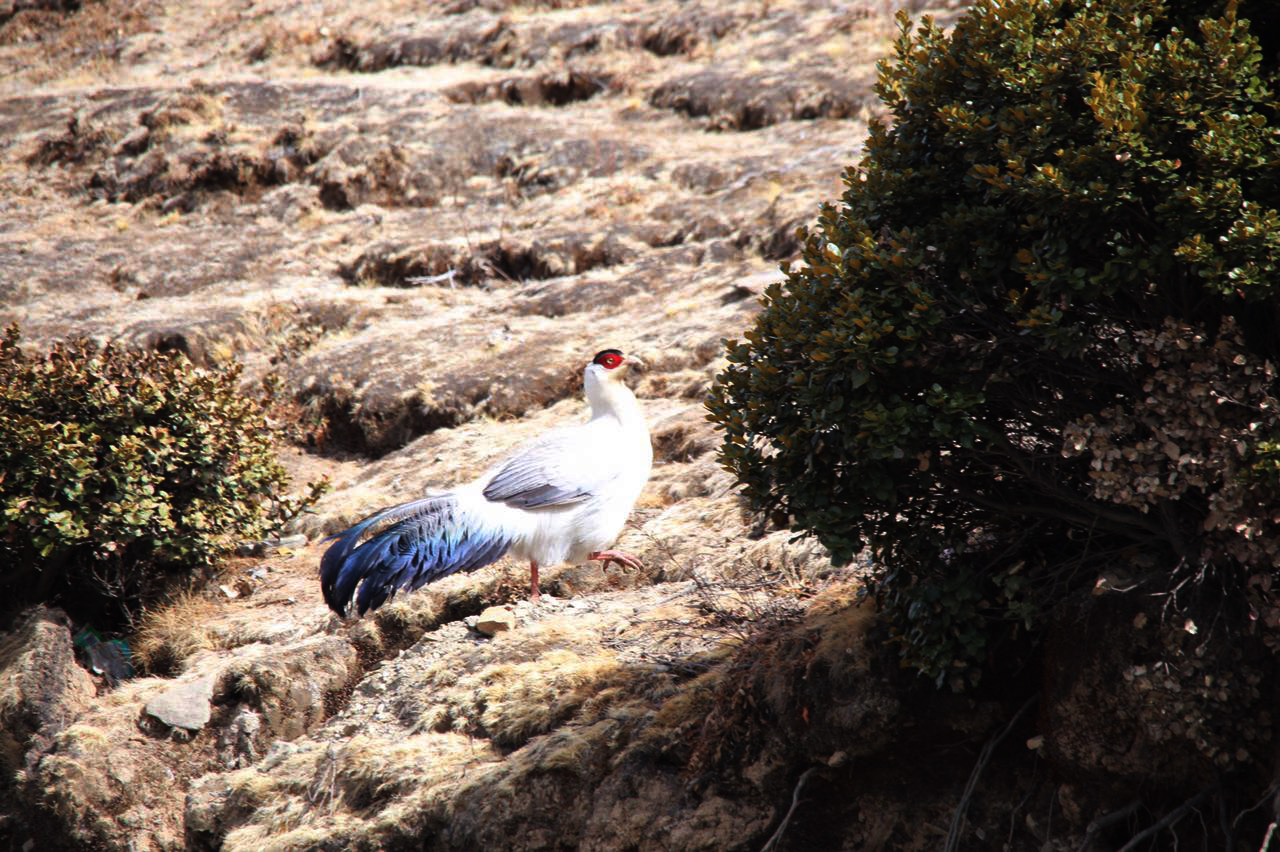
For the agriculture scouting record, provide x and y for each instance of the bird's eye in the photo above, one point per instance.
(610, 359)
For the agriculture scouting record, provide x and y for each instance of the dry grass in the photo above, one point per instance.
(547, 698)
(172, 632)
(523, 700)
(509, 703)
(794, 634)
(512, 583)
(72, 48)
(842, 616)
(350, 790)
(366, 772)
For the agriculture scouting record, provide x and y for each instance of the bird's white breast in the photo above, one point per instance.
(621, 451)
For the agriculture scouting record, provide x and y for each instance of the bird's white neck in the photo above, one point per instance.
(612, 399)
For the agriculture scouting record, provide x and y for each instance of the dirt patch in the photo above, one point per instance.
(562, 297)
(377, 425)
(495, 263)
(359, 172)
(733, 101)
(686, 31)
(76, 145)
(373, 398)
(554, 89)
(181, 150)
(498, 43)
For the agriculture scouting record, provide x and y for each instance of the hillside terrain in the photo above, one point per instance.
(423, 219)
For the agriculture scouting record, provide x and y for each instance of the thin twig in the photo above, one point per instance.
(434, 279)
(795, 801)
(953, 836)
(1266, 840)
(1272, 795)
(1224, 823)
(324, 788)
(1013, 815)
(1108, 819)
(1169, 819)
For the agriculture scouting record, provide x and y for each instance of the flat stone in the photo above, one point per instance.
(185, 705)
(495, 619)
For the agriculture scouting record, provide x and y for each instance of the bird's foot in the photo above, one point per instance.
(624, 560)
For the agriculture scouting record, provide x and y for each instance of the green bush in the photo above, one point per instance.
(1033, 348)
(123, 473)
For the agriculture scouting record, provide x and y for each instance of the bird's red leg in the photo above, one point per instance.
(534, 594)
(625, 560)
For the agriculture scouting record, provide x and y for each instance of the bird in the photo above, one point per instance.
(564, 497)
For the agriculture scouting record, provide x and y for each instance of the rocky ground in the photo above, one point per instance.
(424, 219)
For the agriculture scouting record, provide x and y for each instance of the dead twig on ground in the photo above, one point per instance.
(953, 836)
(1099, 823)
(795, 801)
(1168, 820)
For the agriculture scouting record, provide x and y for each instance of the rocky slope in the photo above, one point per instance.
(424, 218)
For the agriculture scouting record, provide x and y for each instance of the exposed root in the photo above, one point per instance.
(953, 836)
(795, 801)
(1169, 820)
(1106, 820)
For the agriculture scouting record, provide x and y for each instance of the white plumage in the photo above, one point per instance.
(562, 498)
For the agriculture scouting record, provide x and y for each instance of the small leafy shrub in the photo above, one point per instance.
(1035, 344)
(124, 473)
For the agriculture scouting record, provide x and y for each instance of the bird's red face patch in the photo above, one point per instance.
(610, 359)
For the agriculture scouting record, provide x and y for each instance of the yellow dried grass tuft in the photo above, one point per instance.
(513, 702)
(171, 633)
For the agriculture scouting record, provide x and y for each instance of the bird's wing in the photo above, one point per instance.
(563, 467)
(406, 547)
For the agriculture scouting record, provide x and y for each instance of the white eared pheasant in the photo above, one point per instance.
(562, 498)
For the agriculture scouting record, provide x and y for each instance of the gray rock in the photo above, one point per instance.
(496, 619)
(185, 705)
(42, 688)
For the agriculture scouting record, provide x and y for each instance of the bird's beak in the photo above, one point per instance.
(633, 361)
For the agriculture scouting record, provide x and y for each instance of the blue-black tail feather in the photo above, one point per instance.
(403, 547)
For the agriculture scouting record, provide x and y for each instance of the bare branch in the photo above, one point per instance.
(1099, 823)
(795, 801)
(957, 820)
(1169, 819)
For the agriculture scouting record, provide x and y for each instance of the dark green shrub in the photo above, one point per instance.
(123, 473)
(1034, 345)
